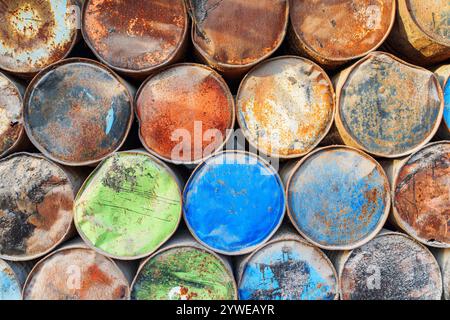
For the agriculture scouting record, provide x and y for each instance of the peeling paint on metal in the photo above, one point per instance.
(10, 288)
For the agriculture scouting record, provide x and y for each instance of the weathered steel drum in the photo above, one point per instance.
(333, 33)
(443, 74)
(387, 107)
(338, 197)
(390, 267)
(287, 268)
(421, 194)
(421, 31)
(234, 35)
(36, 33)
(36, 202)
(12, 278)
(184, 270)
(136, 37)
(185, 113)
(75, 272)
(233, 202)
(443, 258)
(77, 112)
(285, 106)
(129, 206)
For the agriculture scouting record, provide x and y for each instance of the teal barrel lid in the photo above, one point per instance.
(338, 197)
(233, 202)
(10, 286)
(129, 206)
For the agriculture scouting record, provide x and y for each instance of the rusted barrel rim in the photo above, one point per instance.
(328, 128)
(230, 99)
(93, 173)
(132, 71)
(383, 218)
(344, 60)
(53, 66)
(266, 165)
(69, 247)
(186, 245)
(240, 66)
(404, 226)
(340, 92)
(69, 230)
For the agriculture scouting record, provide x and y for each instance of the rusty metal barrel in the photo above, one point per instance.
(421, 31)
(387, 107)
(36, 205)
(77, 112)
(421, 194)
(12, 278)
(234, 35)
(443, 258)
(287, 268)
(75, 272)
(184, 270)
(285, 106)
(185, 112)
(233, 202)
(443, 74)
(136, 37)
(36, 33)
(129, 205)
(390, 267)
(333, 33)
(338, 197)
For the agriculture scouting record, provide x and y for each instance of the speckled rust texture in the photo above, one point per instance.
(11, 125)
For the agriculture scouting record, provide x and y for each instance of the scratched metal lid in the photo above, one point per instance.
(233, 202)
(10, 287)
(285, 106)
(185, 113)
(387, 107)
(334, 32)
(129, 206)
(135, 36)
(421, 195)
(36, 33)
(184, 273)
(338, 198)
(77, 112)
(76, 273)
(35, 207)
(390, 267)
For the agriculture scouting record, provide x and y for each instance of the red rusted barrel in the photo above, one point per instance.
(335, 32)
(234, 35)
(443, 258)
(12, 278)
(443, 74)
(390, 267)
(36, 33)
(387, 107)
(77, 112)
(136, 37)
(285, 106)
(421, 33)
(185, 113)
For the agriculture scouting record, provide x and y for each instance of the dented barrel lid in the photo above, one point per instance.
(285, 106)
(129, 205)
(77, 112)
(36, 33)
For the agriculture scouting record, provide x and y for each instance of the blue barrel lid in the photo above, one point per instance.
(447, 105)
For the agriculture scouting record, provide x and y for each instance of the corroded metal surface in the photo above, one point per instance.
(390, 267)
(443, 258)
(12, 278)
(180, 111)
(36, 199)
(443, 74)
(338, 198)
(386, 107)
(36, 33)
(335, 32)
(129, 206)
(233, 202)
(285, 106)
(77, 112)
(135, 36)
(233, 35)
(76, 273)
(422, 195)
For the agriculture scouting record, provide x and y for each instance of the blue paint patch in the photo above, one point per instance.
(109, 120)
(233, 202)
(9, 287)
(447, 105)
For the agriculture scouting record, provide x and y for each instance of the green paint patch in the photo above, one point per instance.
(129, 205)
(184, 273)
